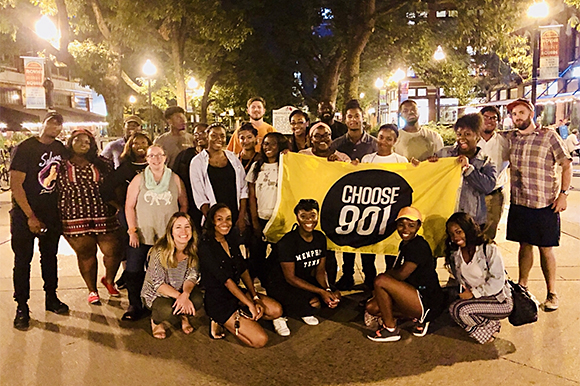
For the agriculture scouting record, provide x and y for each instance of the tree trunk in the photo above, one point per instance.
(205, 101)
(363, 27)
(177, 54)
(113, 97)
(329, 81)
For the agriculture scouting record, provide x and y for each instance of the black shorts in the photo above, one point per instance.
(539, 227)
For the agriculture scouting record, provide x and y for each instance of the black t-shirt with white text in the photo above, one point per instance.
(41, 164)
(292, 248)
(424, 277)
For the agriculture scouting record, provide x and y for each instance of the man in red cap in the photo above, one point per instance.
(536, 197)
(33, 171)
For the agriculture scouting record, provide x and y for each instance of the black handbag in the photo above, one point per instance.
(525, 306)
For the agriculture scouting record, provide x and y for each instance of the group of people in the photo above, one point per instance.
(188, 211)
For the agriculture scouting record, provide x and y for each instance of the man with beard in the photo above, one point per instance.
(256, 110)
(326, 115)
(415, 141)
(181, 168)
(114, 149)
(536, 198)
(356, 143)
(477, 169)
(177, 139)
(497, 148)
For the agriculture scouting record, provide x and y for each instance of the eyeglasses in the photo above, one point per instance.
(297, 123)
(320, 137)
(155, 155)
(487, 117)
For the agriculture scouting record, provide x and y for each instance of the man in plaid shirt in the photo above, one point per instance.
(537, 195)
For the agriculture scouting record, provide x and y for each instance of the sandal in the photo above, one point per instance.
(220, 334)
(158, 330)
(186, 327)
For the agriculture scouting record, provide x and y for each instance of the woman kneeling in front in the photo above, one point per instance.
(411, 288)
(485, 296)
(170, 289)
(222, 267)
(299, 280)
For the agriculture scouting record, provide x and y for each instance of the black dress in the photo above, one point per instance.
(216, 268)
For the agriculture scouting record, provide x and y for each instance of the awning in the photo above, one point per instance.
(15, 115)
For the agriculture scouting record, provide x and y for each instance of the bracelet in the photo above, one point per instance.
(329, 290)
(132, 230)
(256, 297)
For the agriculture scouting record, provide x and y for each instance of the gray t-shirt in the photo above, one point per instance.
(174, 144)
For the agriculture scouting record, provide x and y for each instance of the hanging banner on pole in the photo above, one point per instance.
(359, 203)
(34, 76)
(550, 52)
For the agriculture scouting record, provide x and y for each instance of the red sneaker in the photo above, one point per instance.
(94, 298)
(110, 287)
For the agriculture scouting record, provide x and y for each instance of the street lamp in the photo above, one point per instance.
(536, 11)
(379, 83)
(45, 29)
(132, 101)
(439, 55)
(149, 70)
(397, 77)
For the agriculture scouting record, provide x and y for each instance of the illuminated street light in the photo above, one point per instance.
(361, 95)
(149, 70)
(192, 84)
(45, 29)
(379, 83)
(132, 101)
(538, 10)
(439, 54)
(398, 76)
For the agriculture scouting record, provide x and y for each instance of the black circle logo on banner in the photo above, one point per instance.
(360, 208)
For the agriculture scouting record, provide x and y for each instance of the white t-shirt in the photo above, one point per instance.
(498, 149)
(392, 158)
(266, 181)
(420, 145)
(571, 143)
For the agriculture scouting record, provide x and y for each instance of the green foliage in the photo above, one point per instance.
(445, 130)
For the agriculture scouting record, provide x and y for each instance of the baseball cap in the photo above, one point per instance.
(134, 118)
(410, 213)
(520, 101)
(52, 114)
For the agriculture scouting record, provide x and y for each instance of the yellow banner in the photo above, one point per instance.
(359, 203)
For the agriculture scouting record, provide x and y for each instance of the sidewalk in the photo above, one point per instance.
(91, 346)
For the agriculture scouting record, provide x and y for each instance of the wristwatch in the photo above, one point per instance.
(565, 192)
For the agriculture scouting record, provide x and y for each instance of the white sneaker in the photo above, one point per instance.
(310, 320)
(281, 327)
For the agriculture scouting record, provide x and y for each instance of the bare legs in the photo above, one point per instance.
(393, 298)
(86, 249)
(547, 261)
(250, 331)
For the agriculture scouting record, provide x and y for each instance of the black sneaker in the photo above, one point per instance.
(53, 304)
(345, 283)
(420, 329)
(22, 319)
(121, 284)
(384, 335)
